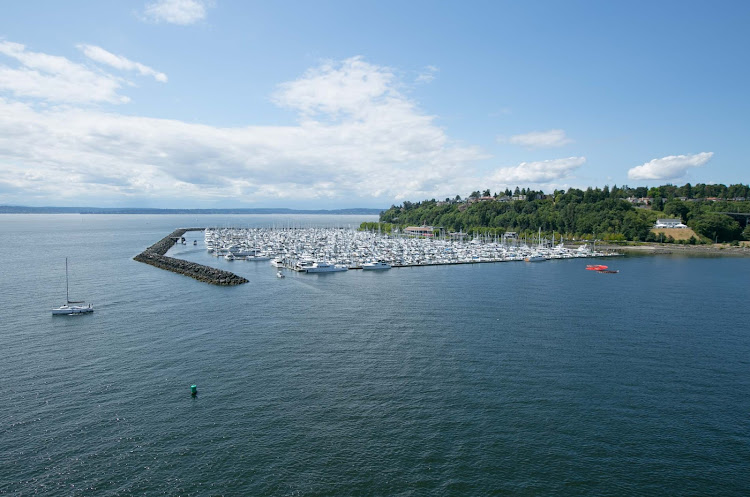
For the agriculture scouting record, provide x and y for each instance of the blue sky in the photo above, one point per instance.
(190, 103)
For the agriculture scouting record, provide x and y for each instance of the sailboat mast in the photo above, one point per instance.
(67, 294)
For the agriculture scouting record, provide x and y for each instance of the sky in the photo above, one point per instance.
(340, 104)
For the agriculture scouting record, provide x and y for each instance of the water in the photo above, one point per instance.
(491, 379)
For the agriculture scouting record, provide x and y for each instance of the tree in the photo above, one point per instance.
(678, 208)
(687, 190)
(486, 193)
(717, 227)
(746, 232)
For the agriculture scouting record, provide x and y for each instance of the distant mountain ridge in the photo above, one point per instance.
(19, 209)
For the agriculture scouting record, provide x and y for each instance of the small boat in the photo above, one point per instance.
(279, 274)
(596, 267)
(195, 242)
(608, 271)
(229, 256)
(69, 309)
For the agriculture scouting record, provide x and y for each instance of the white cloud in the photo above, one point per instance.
(55, 78)
(541, 139)
(102, 56)
(358, 139)
(181, 12)
(539, 172)
(350, 89)
(428, 75)
(670, 167)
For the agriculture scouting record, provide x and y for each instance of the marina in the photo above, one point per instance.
(315, 250)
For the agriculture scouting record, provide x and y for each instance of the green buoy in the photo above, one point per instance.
(193, 390)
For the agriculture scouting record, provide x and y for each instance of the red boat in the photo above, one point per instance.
(599, 267)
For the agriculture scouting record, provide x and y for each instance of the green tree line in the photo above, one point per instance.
(604, 213)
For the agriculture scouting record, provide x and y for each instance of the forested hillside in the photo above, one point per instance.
(610, 214)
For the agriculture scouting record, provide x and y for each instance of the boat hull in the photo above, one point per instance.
(326, 270)
(66, 310)
(375, 267)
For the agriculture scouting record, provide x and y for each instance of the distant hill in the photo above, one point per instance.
(19, 209)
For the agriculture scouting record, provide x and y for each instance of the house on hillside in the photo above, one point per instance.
(473, 200)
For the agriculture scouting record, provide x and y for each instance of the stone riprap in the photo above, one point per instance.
(154, 255)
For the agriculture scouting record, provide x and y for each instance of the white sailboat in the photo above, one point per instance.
(71, 306)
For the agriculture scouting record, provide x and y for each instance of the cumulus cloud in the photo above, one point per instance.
(181, 12)
(358, 139)
(541, 139)
(539, 172)
(98, 54)
(54, 78)
(352, 88)
(670, 167)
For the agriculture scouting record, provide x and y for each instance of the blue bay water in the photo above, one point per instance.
(488, 379)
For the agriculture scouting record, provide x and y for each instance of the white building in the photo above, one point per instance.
(669, 223)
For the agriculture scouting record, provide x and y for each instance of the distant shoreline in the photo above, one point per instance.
(15, 209)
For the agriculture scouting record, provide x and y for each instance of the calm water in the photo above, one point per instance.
(492, 379)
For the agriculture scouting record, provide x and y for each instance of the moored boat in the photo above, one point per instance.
(377, 265)
(325, 267)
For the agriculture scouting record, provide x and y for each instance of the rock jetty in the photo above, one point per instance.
(154, 255)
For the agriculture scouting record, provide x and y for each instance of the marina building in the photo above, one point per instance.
(426, 231)
(669, 223)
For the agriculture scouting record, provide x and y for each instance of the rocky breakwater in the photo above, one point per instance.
(154, 255)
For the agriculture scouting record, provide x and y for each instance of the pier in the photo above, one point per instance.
(154, 256)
